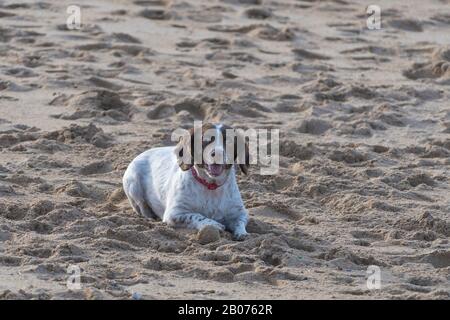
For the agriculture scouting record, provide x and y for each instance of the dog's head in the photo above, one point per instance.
(212, 150)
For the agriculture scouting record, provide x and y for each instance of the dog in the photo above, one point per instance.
(165, 183)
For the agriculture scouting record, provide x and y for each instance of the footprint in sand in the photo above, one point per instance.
(97, 167)
(314, 126)
(155, 14)
(149, 3)
(257, 13)
(271, 33)
(406, 25)
(437, 67)
(165, 110)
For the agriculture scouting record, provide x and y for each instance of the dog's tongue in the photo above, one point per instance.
(215, 169)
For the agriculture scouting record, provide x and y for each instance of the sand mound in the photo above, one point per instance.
(75, 134)
(94, 104)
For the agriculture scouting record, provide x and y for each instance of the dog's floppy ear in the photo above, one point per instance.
(241, 146)
(184, 150)
(244, 166)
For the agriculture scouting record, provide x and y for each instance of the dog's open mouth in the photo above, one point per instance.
(215, 169)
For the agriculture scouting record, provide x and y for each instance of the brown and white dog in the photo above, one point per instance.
(165, 182)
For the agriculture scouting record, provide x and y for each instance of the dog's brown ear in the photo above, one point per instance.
(184, 150)
(244, 167)
(240, 139)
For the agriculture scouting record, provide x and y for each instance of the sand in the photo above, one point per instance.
(364, 120)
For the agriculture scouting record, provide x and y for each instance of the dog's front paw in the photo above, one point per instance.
(209, 233)
(217, 225)
(240, 236)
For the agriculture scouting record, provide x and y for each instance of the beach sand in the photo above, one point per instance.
(364, 122)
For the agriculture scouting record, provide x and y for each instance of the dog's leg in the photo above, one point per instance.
(191, 220)
(144, 209)
(237, 227)
(135, 195)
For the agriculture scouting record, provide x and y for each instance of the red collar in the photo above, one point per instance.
(209, 185)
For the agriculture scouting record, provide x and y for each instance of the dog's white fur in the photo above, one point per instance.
(157, 187)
